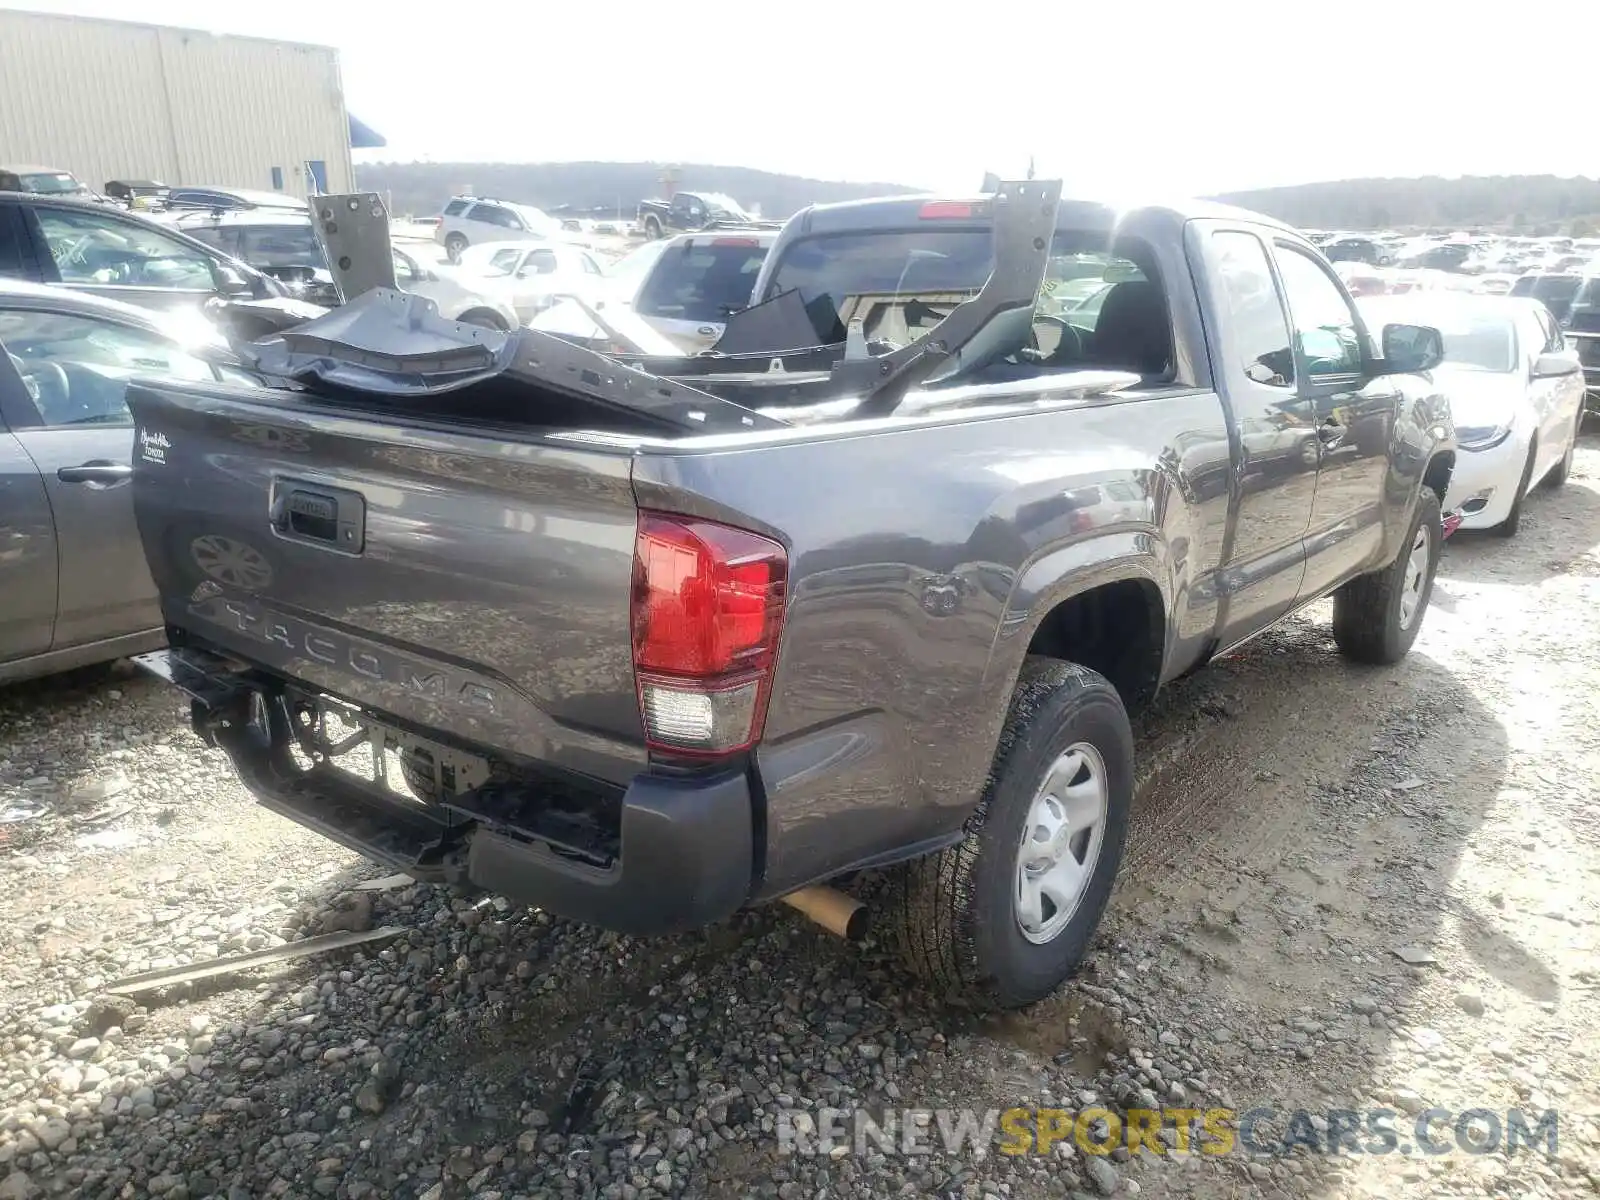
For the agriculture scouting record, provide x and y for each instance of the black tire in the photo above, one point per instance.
(652, 228)
(454, 245)
(1513, 522)
(1562, 471)
(483, 318)
(954, 915)
(1367, 622)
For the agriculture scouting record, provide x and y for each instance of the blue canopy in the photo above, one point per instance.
(364, 137)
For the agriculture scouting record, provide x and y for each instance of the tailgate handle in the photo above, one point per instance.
(330, 517)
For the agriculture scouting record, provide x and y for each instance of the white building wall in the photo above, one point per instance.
(116, 100)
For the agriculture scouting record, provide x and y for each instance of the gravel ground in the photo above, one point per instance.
(1301, 823)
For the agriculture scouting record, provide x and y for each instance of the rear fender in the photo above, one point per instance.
(1057, 576)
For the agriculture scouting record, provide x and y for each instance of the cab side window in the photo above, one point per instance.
(1324, 325)
(1260, 330)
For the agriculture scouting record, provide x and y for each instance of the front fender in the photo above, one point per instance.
(1421, 454)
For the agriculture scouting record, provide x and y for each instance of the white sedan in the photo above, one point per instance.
(1516, 396)
(531, 276)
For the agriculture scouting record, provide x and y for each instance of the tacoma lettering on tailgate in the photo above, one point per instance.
(335, 650)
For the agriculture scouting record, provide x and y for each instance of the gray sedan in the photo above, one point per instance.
(74, 588)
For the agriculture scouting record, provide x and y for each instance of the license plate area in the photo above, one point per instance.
(347, 739)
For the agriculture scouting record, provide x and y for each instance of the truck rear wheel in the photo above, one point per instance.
(1376, 617)
(1001, 919)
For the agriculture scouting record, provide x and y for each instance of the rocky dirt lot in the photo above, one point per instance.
(1304, 830)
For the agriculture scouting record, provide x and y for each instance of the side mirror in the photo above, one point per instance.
(1411, 348)
(1554, 366)
(231, 283)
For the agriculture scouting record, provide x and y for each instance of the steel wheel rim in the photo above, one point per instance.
(1416, 577)
(1060, 843)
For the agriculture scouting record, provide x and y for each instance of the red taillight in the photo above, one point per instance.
(734, 242)
(947, 210)
(708, 605)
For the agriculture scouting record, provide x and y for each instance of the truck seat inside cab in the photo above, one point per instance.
(1133, 332)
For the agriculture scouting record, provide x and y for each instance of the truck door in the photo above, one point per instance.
(1275, 463)
(27, 539)
(1354, 415)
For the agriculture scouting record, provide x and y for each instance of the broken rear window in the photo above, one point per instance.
(903, 282)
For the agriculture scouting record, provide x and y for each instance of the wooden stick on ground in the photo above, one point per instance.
(227, 964)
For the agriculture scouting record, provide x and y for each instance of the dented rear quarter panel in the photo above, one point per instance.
(922, 560)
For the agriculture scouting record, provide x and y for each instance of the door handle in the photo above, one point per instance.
(100, 472)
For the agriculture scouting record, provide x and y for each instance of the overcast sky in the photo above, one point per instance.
(1152, 96)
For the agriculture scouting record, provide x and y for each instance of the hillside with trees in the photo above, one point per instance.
(422, 188)
(1533, 204)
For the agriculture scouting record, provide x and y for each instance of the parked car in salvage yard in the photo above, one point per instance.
(1516, 398)
(1582, 332)
(682, 289)
(74, 588)
(705, 679)
(280, 243)
(80, 245)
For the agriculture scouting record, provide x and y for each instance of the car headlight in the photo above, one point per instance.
(1481, 437)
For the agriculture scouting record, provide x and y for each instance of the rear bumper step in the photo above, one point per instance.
(686, 846)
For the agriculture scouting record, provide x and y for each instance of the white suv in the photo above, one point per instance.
(467, 220)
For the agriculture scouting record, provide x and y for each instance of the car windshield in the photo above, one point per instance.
(702, 281)
(1474, 339)
(870, 275)
(632, 267)
(52, 183)
(726, 204)
(537, 220)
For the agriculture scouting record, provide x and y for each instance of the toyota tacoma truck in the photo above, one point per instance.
(874, 585)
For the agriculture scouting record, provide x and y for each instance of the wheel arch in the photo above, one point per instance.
(1436, 475)
(1116, 626)
(1102, 603)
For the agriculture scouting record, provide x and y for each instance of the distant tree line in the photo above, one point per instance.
(1531, 204)
(421, 189)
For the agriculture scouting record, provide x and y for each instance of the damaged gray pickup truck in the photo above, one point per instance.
(873, 585)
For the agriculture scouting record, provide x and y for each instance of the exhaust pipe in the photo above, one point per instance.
(832, 909)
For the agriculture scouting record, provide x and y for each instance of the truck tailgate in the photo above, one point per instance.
(460, 581)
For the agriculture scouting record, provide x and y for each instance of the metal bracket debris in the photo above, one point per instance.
(353, 231)
(230, 964)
